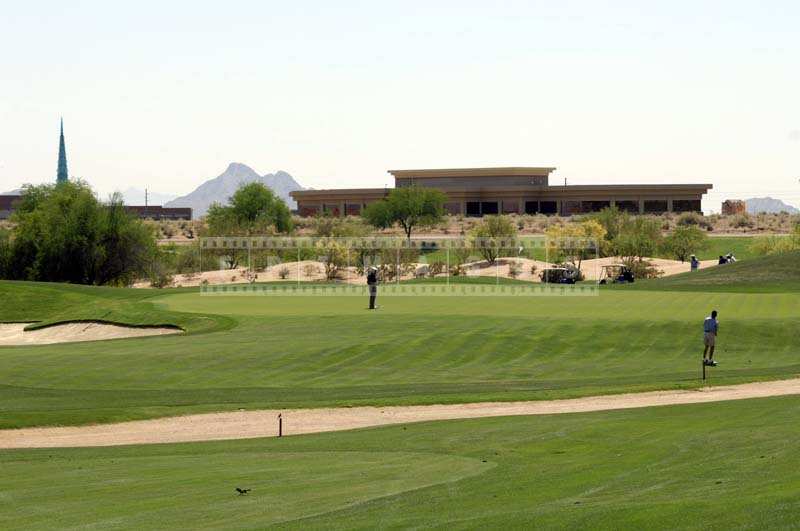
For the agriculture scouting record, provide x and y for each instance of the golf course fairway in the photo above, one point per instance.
(712, 466)
(263, 352)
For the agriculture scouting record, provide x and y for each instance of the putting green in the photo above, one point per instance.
(263, 352)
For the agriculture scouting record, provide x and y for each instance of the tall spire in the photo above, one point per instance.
(62, 174)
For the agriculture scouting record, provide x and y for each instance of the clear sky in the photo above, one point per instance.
(165, 94)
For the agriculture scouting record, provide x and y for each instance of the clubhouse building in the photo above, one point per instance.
(514, 190)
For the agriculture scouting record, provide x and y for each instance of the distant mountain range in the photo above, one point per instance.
(220, 188)
(769, 205)
(18, 191)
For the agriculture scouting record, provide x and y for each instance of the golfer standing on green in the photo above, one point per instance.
(710, 328)
(372, 282)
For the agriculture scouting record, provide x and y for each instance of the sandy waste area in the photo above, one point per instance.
(309, 270)
(264, 423)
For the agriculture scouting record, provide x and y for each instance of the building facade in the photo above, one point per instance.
(7, 205)
(732, 207)
(512, 190)
(158, 212)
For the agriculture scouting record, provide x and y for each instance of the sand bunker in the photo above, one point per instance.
(15, 333)
(264, 423)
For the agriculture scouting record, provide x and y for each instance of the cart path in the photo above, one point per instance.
(264, 423)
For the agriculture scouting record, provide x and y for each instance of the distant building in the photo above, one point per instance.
(158, 212)
(61, 173)
(517, 190)
(7, 205)
(733, 207)
(143, 212)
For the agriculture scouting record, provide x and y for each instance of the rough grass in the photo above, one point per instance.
(264, 352)
(775, 273)
(721, 466)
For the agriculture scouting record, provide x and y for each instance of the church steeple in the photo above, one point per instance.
(62, 175)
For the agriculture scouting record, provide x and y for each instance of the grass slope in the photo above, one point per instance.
(54, 303)
(720, 466)
(265, 352)
(776, 273)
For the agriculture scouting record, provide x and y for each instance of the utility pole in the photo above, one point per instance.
(145, 202)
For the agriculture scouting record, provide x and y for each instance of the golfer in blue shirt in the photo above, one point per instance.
(710, 329)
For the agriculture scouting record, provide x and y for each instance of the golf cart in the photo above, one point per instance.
(616, 274)
(559, 275)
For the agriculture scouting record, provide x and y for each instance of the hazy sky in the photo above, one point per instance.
(165, 94)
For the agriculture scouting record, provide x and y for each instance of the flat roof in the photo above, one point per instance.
(341, 191)
(551, 189)
(474, 172)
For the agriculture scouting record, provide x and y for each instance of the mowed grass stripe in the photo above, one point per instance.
(326, 351)
(725, 465)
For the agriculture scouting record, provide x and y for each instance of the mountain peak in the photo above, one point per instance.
(221, 188)
(769, 205)
(237, 169)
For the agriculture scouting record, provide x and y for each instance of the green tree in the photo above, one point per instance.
(612, 219)
(487, 236)
(575, 242)
(5, 252)
(639, 237)
(64, 234)
(684, 241)
(409, 206)
(252, 210)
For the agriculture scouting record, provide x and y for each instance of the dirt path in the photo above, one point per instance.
(263, 423)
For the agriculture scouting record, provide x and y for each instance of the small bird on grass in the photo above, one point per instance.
(242, 492)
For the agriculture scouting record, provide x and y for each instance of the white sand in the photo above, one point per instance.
(264, 423)
(592, 268)
(15, 333)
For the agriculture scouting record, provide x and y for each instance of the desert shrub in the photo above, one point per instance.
(743, 221)
(332, 227)
(457, 270)
(311, 270)
(693, 218)
(489, 232)
(684, 241)
(333, 255)
(187, 258)
(639, 237)
(436, 268)
(689, 218)
(766, 245)
(160, 276)
(534, 268)
(575, 242)
(283, 273)
(643, 269)
(458, 256)
(167, 229)
(514, 269)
